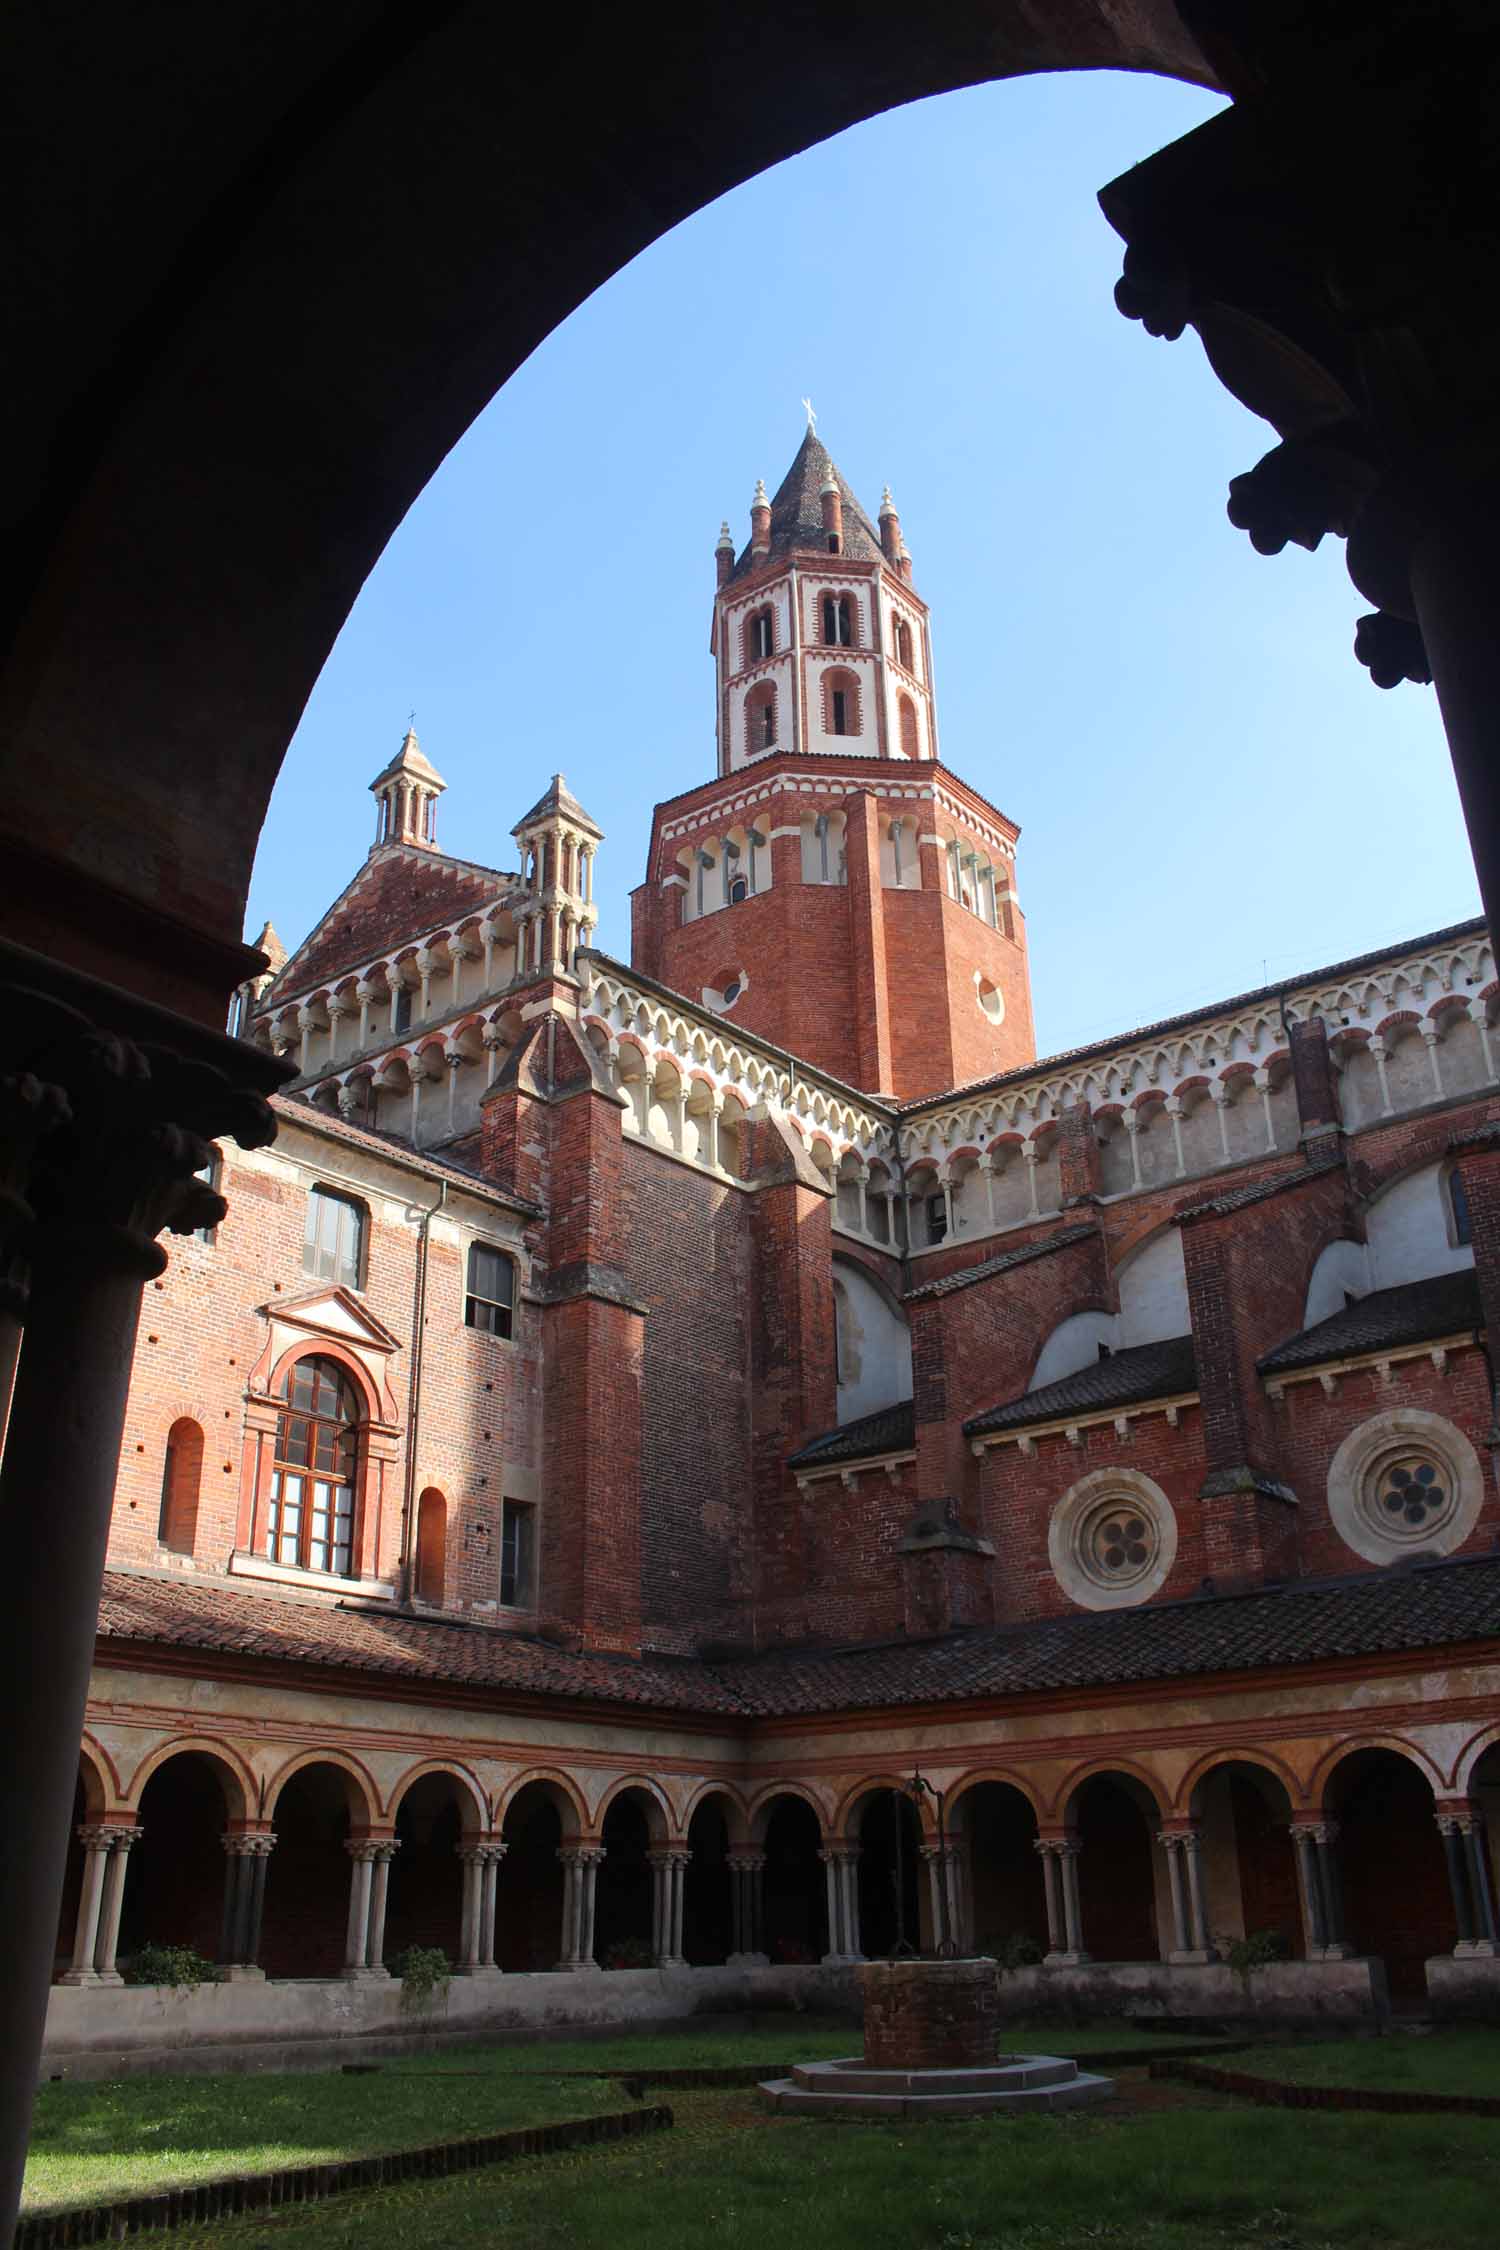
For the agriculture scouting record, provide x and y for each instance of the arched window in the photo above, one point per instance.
(490, 1302)
(904, 645)
(334, 1243)
(312, 1482)
(907, 711)
(760, 717)
(760, 636)
(841, 714)
(181, 1480)
(432, 1546)
(838, 621)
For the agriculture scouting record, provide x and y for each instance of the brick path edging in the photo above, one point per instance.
(1277, 2093)
(310, 2183)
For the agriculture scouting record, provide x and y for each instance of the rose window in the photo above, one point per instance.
(1408, 1497)
(1122, 1543)
(1413, 1490)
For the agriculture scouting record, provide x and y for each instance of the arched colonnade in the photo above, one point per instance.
(315, 1875)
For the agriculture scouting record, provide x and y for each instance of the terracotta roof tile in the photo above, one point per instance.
(891, 1429)
(1142, 1371)
(965, 1276)
(797, 513)
(1406, 1315)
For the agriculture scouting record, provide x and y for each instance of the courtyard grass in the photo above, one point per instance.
(136, 2136)
(1202, 2175)
(1458, 2061)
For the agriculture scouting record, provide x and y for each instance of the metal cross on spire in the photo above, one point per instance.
(812, 419)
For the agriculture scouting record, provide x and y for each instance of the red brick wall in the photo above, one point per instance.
(689, 1262)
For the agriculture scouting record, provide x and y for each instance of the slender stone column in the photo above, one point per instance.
(842, 1863)
(1486, 1935)
(1067, 1853)
(942, 1894)
(747, 1897)
(580, 1864)
(1310, 1885)
(109, 1907)
(380, 1884)
(1190, 1941)
(494, 1852)
(96, 1842)
(1326, 1837)
(677, 1893)
(1057, 1931)
(362, 1853)
(1457, 1860)
(1170, 1844)
(472, 1922)
(245, 1858)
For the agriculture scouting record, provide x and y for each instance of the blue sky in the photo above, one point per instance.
(1210, 790)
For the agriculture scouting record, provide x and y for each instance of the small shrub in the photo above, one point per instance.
(630, 1953)
(1255, 1950)
(1017, 1949)
(424, 1971)
(168, 1964)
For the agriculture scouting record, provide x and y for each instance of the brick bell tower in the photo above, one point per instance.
(837, 889)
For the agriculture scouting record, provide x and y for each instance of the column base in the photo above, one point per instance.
(80, 1977)
(1477, 1949)
(841, 1960)
(363, 1976)
(241, 1972)
(748, 1961)
(1065, 1960)
(671, 1961)
(1340, 1952)
(577, 1968)
(1192, 1957)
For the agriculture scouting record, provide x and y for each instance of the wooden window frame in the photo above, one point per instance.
(330, 1261)
(478, 1304)
(319, 1471)
(518, 1554)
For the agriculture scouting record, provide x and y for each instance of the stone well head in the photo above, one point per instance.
(931, 2015)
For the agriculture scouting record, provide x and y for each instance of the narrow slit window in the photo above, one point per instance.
(840, 710)
(517, 1555)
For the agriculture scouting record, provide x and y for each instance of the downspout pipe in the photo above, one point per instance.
(414, 1392)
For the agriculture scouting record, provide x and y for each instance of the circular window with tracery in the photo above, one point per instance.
(1112, 1539)
(1405, 1483)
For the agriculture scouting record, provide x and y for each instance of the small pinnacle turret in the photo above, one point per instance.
(406, 794)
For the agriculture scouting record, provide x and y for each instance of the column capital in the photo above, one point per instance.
(838, 1854)
(1315, 1829)
(258, 1844)
(580, 1855)
(364, 1847)
(668, 1855)
(745, 1863)
(1173, 1832)
(1065, 1846)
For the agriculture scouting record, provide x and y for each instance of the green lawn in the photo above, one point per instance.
(1439, 2062)
(1202, 2176)
(137, 2135)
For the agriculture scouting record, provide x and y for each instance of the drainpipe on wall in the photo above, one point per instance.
(414, 1394)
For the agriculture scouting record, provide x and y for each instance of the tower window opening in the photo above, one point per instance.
(840, 711)
(739, 890)
(838, 621)
(833, 542)
(401, 1008)
(761, 636)
(937, 1218)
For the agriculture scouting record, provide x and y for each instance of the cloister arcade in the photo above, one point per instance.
(316, 1876)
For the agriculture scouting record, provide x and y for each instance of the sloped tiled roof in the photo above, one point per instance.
(243, 1620)
(1258, 1191)
(1380, 1612)
(891, 1429)
(1164, 1370)
(965, 1276)
(797, 512)
(1387, 1317)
